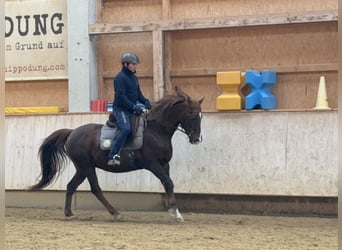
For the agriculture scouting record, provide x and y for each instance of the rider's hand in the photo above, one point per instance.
(148, 104)
(137, 110)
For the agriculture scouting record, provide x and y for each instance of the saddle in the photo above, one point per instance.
(110, 129)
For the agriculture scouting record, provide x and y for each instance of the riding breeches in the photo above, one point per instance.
(124, 126)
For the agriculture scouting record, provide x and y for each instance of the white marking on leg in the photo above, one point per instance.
(116, 217)
(176, 214)
(72, 217)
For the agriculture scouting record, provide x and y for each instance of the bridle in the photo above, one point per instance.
(189, 133)
(179, 126)
(181, 129)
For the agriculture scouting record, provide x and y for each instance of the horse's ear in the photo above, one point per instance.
(180, 92)
(201, 100)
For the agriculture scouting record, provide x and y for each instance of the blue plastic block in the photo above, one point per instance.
(260, 96)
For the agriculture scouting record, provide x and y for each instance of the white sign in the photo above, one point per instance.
(35, 39)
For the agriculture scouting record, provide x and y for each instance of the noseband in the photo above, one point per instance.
(181, 129)
(188, 133)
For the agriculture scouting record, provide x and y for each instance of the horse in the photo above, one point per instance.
(81, 145)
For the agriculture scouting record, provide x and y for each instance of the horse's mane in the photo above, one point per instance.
(162, 107)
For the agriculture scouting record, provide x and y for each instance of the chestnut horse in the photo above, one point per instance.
(82, 146)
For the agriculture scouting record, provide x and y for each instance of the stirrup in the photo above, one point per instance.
(115, 161)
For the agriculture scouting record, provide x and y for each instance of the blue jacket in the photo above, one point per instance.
(127, 91)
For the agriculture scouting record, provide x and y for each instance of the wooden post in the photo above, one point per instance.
(166, 8)
(158, 64)
(167, 58)
(99, 9)
(167, 14)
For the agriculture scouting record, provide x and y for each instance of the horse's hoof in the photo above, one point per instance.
(176, 214)
(117, 217)
(72, 217)
(179, 219)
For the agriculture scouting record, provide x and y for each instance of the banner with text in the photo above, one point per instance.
(35, 39)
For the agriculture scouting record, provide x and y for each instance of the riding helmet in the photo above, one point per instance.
(129, 57)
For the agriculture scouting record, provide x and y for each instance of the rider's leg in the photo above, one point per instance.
(124, 125)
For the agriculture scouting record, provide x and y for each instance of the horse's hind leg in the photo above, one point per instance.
(96, 190)
(76, 180)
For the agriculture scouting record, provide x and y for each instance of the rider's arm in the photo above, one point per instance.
(120, 93)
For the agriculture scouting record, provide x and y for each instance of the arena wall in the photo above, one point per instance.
(291, 154)
(242, 166)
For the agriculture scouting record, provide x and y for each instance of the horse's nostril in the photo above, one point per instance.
(196, 141)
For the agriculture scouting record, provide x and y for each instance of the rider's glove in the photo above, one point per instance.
(137, 110)
(148, 104)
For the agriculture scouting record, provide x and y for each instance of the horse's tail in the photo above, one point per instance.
(53, 156)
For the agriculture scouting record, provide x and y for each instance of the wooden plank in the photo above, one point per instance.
(293, 90)
(216, 22)
(219, 8)
(100, 68)
(38, 136)
(10, 149)
(119, 11)
(158, 65)
(166, 9)
(99, 9)
(300, 90)
(325, 67)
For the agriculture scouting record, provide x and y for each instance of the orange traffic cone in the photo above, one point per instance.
(322, 99)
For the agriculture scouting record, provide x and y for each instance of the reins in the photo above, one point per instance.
(181, 129)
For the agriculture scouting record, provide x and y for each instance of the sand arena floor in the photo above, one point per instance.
(47, 229)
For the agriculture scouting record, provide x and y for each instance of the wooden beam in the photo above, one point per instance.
(279, 69)
(158, 64)
(215, 22)
(323, 67)
(141, 74)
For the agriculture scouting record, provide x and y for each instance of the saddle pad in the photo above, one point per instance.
(134, 141)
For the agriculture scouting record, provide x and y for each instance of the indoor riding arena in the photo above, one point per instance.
(263, 171)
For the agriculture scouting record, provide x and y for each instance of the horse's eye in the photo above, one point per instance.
(198, 116)
(194, 116)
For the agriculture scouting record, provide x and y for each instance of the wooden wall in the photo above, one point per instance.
(293, 50)
(119, 11)
(185, 42)
(37, 93)
(196, 46)
(110, 48)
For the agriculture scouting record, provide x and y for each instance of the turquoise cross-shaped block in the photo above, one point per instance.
(260, 96)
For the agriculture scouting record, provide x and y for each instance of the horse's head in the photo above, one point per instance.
(180, 112)
(191, 118)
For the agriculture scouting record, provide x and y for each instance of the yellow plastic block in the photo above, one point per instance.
(242, 85)
(33, 110)
(231, 83)
(228, 77)
(228, 102)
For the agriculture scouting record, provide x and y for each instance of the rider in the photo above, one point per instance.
(127, 98)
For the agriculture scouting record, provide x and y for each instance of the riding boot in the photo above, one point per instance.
(115, 161)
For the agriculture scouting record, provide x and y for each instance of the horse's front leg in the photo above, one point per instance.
(163, 174)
